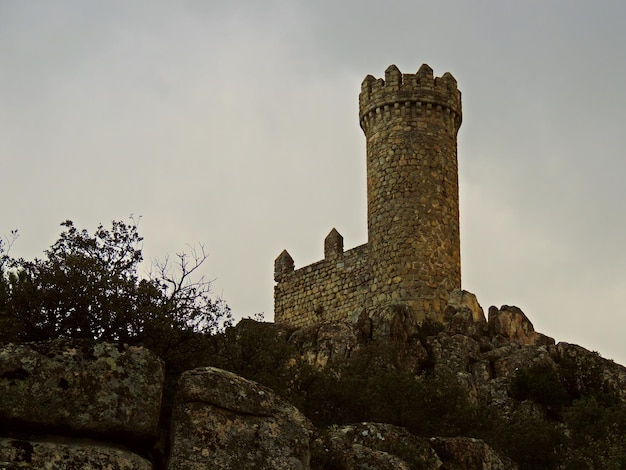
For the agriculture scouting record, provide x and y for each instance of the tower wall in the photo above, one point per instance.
(410, 123)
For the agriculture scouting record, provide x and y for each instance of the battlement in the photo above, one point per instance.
(420, 91)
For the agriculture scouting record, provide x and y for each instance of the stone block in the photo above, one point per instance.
(223, 421)
(72, 387)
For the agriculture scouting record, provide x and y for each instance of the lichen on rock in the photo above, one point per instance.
(75, 387)
(221, 420)
(60, 455)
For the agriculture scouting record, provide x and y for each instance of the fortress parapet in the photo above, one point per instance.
(405, 93)
(412, 256)
(334, 288)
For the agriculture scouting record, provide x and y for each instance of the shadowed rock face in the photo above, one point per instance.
(383, 446)
(81, 388)
(374, 445)
(31, 454)
(221, 420)
(468, 453)
(323, 344)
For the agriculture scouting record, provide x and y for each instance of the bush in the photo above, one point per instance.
(87, 286)
(531, 441)
(541, 384)
(597, 434)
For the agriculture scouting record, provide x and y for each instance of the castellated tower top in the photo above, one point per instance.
(421, 89)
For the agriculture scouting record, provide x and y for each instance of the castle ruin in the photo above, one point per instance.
(412, 256)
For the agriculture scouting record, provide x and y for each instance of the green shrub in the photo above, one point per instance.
(533, 442)
(597, 434)
(541, 384)
(88, 286)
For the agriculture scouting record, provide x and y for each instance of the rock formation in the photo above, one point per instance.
(75, 404)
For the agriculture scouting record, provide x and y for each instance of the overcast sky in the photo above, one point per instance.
(235, 124)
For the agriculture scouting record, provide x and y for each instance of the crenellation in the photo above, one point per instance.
(393, 77)
(412, 256)
(283, 265)
(425, 74)
(333, 245)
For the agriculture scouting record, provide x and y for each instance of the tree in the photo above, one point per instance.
(87, 286)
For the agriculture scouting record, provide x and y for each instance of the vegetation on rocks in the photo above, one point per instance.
(88, 286)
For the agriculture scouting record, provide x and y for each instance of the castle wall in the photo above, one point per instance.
(412, 256)
(332, 289)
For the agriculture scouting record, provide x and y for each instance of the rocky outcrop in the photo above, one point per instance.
(395, 322)
(589, 368)
(513, 325)
(81, 388)
(462, 301)
(78, 404)
(54, 394)
(221, 420)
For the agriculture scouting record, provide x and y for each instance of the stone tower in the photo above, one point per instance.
(411, 123)
(412, 256)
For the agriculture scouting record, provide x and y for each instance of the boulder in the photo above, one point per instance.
(221, 420)
(359, 457)
(383, 446)
(373, 445)
(512, 324)
(508, 360)
(503, 364)
(466, 453)
(454, 353)
(464, 315)
(72, 387)
(462, 300)
(59, 455)
(330, 341)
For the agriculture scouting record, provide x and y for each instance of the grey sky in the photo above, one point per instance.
(234, 124)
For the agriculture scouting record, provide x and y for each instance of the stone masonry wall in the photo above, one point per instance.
(334, 288)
